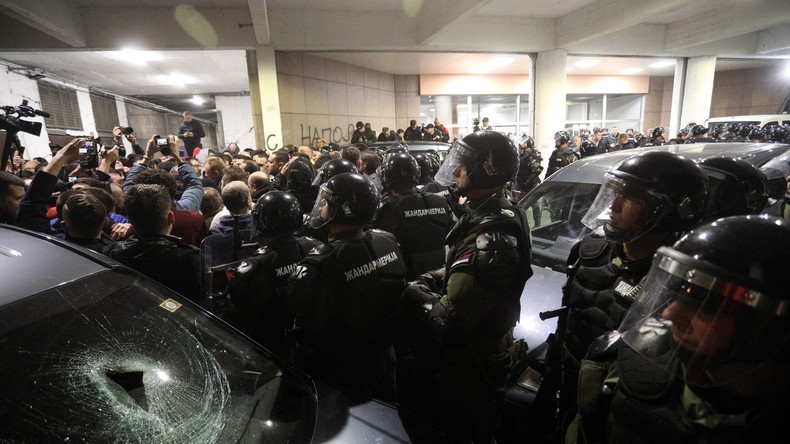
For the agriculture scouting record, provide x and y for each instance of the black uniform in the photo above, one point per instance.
(560, 157)
(257, 291)
(420, 223)
(345, 297)
(487, 266)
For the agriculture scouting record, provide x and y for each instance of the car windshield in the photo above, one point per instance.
(554, 211)
(114, 357)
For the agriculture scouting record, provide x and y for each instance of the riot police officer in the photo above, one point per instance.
(562, 154)
(736, 188)
(471, 305)
(644, 203)
(420, 222)
(658, 137)
(345, 294)
(257, 286)
(699, 134)
(704, 353)
(529, 167)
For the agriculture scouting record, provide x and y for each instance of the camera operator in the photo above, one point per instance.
(32, 210)
(118, 133)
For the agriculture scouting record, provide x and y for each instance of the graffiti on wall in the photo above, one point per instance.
(336, 134)
(271, 145)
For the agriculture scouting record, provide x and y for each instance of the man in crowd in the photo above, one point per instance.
(151, 250)
(190, 131)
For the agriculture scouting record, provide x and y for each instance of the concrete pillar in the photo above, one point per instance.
(265, 98)
(548, 114)
(444, 109)
(698, 89)
(677, 98)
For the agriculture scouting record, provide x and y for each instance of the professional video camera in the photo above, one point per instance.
(12, 122)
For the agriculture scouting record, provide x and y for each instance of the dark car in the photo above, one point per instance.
(416, 147)
(95, 352)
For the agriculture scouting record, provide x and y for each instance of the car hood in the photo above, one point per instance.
(543, 292)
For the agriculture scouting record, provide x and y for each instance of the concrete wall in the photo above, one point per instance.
(735, 92)
(236, 120)
(324, 98)
(749, 91)
(13, 89)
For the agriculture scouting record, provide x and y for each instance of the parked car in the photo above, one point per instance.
(763, 120)
(96, 352)
(415, 147)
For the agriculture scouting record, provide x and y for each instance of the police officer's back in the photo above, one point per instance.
(471, 305)
(420, 222)
(257, 288)
(345, 293)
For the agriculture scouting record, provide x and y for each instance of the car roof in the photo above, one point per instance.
(754, 117)
(591, 169)
(32, 262)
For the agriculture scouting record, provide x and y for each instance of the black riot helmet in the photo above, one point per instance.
(562, 137)
(347, 198)
(395, 148)
(400, 167)
(736, 187)
(734, 127)
(757, 133)
(718, 296)
(490, 158)
(778, 133)
(301, 174)
(335, 167)
(277, 212)
(745, 130)
(673, 189)
(526, 141)
(426, 167)
(658, 132)
(698, 130)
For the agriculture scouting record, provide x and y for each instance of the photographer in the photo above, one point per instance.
(190, 131)
(124, 131)
(188, 222)
(33, 206)
(168, 146)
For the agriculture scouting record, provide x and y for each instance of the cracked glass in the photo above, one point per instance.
(113, 357)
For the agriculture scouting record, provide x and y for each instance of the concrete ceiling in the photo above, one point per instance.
(199, 45)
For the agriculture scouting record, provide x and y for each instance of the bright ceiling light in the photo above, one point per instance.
(586, 63)
(629, 71)
(569, 69)
(661, 64)
(134, 56)
(175, 79)
(197, 100)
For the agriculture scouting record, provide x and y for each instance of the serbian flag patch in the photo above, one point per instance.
(462, 260)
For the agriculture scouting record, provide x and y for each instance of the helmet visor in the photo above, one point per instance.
(616, 195)
(458, 153)
(323, 212)
(717, 329)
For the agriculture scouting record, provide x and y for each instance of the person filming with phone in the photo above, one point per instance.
(190, 131)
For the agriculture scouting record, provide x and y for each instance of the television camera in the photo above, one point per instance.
(12, 121)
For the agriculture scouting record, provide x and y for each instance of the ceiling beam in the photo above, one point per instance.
(607, 17)
(734, 20)
(260, 21)
(437, 15)
(772, 40)
(56, 18)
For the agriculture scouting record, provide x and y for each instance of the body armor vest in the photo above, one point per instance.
(422, 223)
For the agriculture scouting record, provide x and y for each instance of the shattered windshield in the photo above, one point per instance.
(114, 357)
